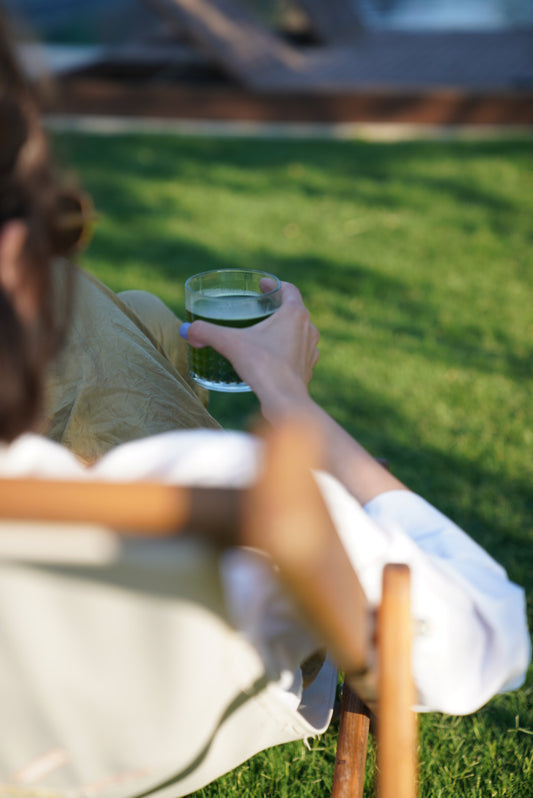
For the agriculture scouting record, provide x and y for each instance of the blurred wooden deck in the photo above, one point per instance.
(433, 78)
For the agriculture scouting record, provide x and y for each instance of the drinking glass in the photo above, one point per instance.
(231, 298)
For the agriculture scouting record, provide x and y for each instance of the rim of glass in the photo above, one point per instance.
(235, 271)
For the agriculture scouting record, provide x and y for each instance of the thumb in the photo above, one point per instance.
(203, 333)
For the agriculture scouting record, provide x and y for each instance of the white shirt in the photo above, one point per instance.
(472, 639)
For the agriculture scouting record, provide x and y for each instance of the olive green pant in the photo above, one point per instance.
(122, 373)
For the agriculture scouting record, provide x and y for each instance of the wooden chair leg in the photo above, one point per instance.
(352, 740)
(396, 719)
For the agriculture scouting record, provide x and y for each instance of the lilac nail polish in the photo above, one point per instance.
(184, 329)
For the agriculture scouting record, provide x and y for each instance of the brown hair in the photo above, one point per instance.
(32, 191)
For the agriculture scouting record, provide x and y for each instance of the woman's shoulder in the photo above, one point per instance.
(34, 455)
(202, 456)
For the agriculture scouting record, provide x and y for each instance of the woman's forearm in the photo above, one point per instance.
(276, 358)
(344, 458)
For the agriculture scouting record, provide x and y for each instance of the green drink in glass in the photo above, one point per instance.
(230, 298)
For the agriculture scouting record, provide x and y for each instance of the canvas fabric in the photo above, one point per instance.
(122, 674)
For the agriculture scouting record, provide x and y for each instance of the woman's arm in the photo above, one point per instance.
(276, 359)
(475, 640)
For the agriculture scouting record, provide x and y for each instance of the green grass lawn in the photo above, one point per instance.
(415, 260)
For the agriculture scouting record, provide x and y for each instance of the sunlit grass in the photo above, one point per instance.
(415, 260)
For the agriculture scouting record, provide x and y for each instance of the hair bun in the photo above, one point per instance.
(70, 222)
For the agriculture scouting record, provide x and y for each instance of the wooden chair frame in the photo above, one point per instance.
(284, 515)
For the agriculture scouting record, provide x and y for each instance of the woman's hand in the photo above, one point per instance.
(275, 357)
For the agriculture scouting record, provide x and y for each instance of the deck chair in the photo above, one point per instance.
(351, 58)
(282, 516)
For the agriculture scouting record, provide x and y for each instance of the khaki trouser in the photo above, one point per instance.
(122, 374)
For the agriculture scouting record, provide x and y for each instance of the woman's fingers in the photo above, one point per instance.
(290, 294)
(276, 356)
(203, 333)
(267, 284)
(316, 356)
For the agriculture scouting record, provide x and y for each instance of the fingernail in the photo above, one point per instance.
(184, 329)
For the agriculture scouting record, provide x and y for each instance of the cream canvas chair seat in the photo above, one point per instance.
(122, 671)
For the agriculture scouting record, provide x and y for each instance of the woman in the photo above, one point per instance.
(475, 642)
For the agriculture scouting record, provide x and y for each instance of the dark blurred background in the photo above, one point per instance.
(287, 60)
(96, 21)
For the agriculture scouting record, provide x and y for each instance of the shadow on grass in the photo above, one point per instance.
(372, 174)
(312, 164)
(493, 507)
(391, 303)
(118, 170)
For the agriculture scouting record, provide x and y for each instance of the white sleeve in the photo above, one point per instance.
(215, 458)
(34, 456)
(472, 639)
